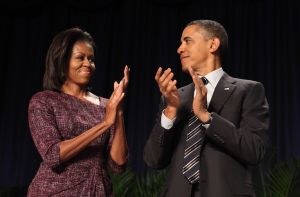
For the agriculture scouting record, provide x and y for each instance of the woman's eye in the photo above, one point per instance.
(80, 57)
(91, 59)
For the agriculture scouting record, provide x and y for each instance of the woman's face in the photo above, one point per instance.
(81, 66)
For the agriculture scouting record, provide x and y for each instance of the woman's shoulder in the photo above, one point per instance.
(45, 96)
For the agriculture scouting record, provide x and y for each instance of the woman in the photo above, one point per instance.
(77, 133)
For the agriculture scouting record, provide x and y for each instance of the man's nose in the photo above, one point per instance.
(180, 49)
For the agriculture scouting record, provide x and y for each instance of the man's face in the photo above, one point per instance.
(194, 49)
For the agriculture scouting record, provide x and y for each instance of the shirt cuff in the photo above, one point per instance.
(166, 123)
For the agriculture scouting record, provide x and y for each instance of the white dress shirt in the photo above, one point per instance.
(213, 79)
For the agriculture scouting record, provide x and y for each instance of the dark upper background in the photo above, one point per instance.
(145, 34)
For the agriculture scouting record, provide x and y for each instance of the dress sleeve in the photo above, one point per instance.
(44, 130)
(116, 168)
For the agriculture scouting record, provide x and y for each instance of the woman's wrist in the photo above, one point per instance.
(106, 123)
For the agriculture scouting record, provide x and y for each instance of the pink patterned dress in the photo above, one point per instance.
(54, 117)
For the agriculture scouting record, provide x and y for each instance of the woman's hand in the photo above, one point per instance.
(114, 102)
(126, 77)
(126, 82)
(71, 147)
(119, 147)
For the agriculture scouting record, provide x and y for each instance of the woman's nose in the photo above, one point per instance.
(86, 62)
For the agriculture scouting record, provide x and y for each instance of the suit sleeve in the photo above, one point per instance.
(158, 148)
(245, 141)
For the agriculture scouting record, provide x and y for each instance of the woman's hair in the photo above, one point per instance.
(59, 54)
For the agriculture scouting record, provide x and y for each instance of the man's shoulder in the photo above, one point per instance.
(241, 81)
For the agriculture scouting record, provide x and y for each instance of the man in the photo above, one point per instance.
(213, 131)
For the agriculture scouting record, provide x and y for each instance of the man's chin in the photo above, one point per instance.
(185, 68)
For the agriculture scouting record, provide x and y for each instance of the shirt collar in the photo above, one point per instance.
(214, 77)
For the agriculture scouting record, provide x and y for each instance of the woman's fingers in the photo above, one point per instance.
(126, 74)
(126, 77)
(116, 85)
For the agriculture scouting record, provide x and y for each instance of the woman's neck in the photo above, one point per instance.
(74, 90)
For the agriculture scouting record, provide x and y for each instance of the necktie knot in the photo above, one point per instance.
(205, 80)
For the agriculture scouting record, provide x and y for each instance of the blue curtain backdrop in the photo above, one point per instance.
(264, 46)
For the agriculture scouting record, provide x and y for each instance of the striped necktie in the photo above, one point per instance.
(193, 145)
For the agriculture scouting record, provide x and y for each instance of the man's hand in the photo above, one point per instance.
(168, 89)
(200, 101)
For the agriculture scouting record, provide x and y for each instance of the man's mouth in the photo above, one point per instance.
(183, 57)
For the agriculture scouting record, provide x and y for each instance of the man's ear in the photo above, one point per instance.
(215, 44)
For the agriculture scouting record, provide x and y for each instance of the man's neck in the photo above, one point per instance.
(203, 70)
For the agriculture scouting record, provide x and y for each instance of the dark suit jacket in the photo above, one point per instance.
(235, 140)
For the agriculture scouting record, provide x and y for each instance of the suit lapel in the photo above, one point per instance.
(224, 89)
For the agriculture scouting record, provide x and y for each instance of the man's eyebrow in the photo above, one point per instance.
(186, 38)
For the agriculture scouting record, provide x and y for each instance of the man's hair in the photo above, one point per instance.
(59, 54)
(213, 29)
